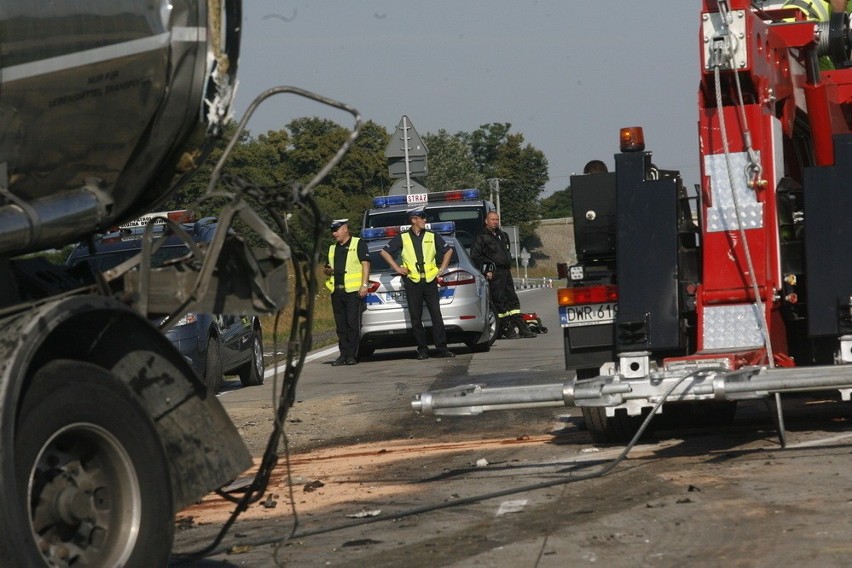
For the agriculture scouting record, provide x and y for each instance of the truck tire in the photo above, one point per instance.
(251, 374)
(213, 366)
(618, 429)
(92, 473)
(605, 429)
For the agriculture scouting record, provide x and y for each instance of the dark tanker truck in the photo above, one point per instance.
(107, 107)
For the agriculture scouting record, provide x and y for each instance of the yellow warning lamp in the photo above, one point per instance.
(632, 139)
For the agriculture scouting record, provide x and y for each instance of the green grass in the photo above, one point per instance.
(323, 325)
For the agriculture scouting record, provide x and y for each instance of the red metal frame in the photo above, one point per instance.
(775, 92)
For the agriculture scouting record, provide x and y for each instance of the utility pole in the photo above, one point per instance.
(494, 184)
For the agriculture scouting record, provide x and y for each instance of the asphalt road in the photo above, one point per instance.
(375, 484)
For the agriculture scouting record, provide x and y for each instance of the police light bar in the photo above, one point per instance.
(443, 228)
(412, 199)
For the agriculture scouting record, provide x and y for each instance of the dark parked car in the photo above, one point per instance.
(215, 345)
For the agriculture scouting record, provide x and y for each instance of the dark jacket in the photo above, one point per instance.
(491, 247)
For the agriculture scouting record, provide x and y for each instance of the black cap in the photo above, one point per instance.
(419, 212)
(337, 223)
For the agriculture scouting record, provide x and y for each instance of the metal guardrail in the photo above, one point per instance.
(527, 283)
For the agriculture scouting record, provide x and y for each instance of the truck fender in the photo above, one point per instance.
(201, 444)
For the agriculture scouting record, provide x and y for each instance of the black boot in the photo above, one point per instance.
(523, 329)
(508, 328)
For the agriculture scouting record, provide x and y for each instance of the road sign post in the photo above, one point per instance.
(406, 155)
(525, 261)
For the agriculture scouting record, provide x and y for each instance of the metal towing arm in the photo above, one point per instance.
(748, 291)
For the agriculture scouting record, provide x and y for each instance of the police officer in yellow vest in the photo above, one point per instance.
(421, 250)
(348, 272)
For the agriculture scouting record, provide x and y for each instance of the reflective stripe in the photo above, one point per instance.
(513, 312)
(102, 54)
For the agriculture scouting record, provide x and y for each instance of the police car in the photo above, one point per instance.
(464, 207)
(215, 345)
(464, 298)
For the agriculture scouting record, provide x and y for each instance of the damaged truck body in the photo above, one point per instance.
(105, 430)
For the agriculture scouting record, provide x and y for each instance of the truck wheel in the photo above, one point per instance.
(213, 367)
(251, 374)
(605, 429)
(618, 429)
(92, 474)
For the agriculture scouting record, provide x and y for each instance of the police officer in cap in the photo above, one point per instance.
(420, 251)
(348, 272)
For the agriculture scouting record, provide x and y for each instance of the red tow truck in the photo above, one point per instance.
(740, 289)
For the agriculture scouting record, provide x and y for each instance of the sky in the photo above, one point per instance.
(566, 74)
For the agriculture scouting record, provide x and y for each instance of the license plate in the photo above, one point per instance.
(395, 296)
(590, 314)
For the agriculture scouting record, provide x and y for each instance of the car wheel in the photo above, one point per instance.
(251, 374)
(93, 477)
(493, 332)
(493, 326)
(365, 351)
(213, 367)
(483, 347)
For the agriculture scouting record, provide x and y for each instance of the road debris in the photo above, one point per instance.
(511, 506)
(365, 514)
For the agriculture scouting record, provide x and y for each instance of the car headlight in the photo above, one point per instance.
(188, 318)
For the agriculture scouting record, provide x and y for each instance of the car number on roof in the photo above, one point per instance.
(414, 198)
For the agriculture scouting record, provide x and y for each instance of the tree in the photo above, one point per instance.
(485, 143)
(522, 170)
(451, 163)
(557, 205)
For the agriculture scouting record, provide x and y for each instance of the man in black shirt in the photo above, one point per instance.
(419, 251)
(490, 252)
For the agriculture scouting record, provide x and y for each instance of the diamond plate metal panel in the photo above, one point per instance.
(731, 327)
(722, 216)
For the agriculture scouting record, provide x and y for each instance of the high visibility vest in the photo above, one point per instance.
(818, 10)
(409, 258)
(352, 272)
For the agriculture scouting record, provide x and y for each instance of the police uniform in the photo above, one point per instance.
(420, 254)
(493, 247)
(345, 283)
